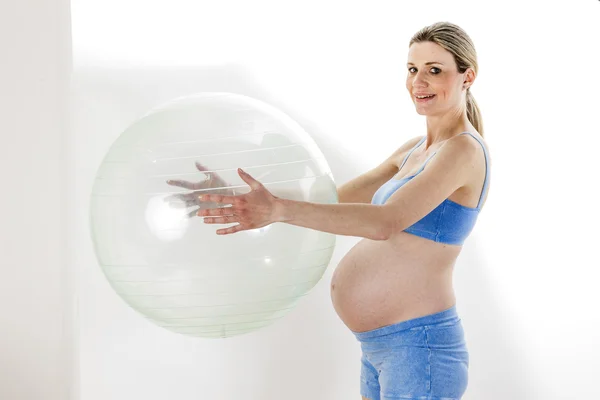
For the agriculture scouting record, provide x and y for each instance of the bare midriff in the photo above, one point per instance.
(383, 282)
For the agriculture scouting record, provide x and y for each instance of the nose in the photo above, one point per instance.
(419, 80)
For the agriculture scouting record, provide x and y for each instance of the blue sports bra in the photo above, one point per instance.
(449, 222)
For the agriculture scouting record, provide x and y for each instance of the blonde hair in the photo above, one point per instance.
(455, 40)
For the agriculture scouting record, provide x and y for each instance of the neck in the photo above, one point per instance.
(443, 127)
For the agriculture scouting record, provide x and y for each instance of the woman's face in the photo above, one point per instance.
(432, 71)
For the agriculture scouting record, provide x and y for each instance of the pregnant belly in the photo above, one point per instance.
(379, 283)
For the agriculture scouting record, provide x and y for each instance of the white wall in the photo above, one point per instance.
(35, 326)
(526, 281)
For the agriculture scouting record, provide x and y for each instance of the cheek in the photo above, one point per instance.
(446, 89)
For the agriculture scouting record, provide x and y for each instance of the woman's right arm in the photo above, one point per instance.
(359, 190)
(362, 188)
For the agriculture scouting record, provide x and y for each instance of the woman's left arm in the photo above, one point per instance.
(349, 219)
(260, 208)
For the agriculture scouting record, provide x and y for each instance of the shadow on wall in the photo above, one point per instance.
(139, 90)
(300, 355)
(499, 364)
(299, 351)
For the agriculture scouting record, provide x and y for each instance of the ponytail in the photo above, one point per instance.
(473, 113)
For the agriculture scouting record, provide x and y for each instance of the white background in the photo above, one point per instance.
(526, 281)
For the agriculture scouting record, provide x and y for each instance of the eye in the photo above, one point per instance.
(437, 70)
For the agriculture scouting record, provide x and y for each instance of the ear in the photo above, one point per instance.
(469, 78)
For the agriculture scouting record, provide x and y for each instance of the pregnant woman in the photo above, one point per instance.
(393, 290)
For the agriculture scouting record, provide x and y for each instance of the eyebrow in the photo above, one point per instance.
(427, 63)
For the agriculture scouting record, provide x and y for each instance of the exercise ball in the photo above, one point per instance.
(163, 260)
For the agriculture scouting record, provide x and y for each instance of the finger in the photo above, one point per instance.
(216, 211)
(182, 200)
(192, 214)
(233, 229)
(221, 220)
(184, 184)
(253, 183)
(178, 182)
(191, 203)
(180, 197)
(217, 198)
(201, 167)
(178, 204)
(191, 198)
(195, 213)
(210, 175)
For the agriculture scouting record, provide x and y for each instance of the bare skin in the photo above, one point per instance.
(383, 282)
(213, 183)
(380, 283)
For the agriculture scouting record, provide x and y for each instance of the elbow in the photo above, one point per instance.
(384, 233)
(385, 229)
(380, 236)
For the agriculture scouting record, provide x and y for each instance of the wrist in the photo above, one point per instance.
(281, 210)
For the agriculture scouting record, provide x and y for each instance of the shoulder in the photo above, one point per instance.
(459, 153)
(474, 146)
(407, 146)
(466, 144)
(461, 157)
(412, 142)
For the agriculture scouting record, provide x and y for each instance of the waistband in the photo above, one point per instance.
(431, 319)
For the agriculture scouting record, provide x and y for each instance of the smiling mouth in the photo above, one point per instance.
(425, 97)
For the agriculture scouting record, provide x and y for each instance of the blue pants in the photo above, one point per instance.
(422, 358)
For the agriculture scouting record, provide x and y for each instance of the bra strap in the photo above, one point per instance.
(487, 172)
(425, 163)
(485, 182)
(410, 152)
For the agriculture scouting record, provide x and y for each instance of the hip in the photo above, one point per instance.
(424, 356)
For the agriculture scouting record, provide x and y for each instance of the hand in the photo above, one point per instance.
(251, 210)
(214, 181)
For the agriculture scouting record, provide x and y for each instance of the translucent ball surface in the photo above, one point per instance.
(163, 260)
